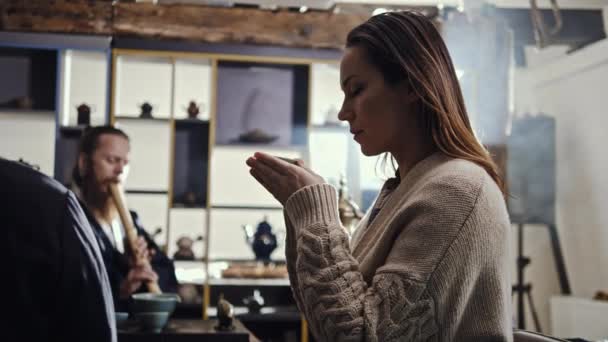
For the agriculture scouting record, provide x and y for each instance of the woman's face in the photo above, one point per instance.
(379, 114)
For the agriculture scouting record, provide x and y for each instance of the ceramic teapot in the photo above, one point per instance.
(194, 109)
(84, 114)
(146, 111)
(262, 241)
(184, 248)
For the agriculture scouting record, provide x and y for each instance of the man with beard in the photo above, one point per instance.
(103, 159)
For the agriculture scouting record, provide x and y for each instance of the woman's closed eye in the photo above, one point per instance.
(356, 91)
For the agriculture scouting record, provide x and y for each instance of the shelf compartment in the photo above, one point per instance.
(84, 80)
(188, 222)
(227, 237)
(193, 83)
(191, 154)
(142, 80)
(150, 154)
(263, 103)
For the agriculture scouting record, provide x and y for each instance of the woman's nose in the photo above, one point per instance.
(345, 114)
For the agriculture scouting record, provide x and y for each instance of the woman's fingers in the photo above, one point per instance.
(279, 177)
(279, 166)
(258, 176)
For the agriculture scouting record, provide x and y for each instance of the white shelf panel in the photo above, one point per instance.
(190, 272)
(140, 80)
(231, 183)
(192, 83)
(152, 212)
(150, 153)
(84, 80)
(30, 136)
(329, 153)
(188, 222)
(326, 94)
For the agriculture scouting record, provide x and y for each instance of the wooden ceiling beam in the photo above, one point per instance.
(315, 29)
(60, 16)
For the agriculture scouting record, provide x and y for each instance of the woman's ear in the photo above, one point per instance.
(410, 95)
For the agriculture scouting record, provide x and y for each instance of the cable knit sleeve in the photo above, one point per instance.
(291, 254)
(332, 292)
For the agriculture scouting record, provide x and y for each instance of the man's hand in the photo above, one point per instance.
(141, 252)
(135, 278)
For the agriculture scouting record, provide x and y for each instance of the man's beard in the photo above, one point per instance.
(97, 196)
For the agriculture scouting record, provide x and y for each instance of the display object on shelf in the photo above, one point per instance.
(146, 111)
(225, 314)
(84, 114)
(256, 270)
(190, 199)
(255, 302)
(348, 210)
(256, 136)
(331, 116)
(261, 103)
(194, 109)
(184, 248)
(189, 293)
(20, 102)
(263, 241)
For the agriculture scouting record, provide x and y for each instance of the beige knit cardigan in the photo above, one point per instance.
(433, 265)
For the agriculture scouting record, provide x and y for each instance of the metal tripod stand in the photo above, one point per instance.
(522, 288)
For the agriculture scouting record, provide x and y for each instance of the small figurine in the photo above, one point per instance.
(225, 314)
(254, 302)
(84, 114)
(193, 110)
(146, 111)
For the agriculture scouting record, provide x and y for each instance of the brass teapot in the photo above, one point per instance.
(349, 211)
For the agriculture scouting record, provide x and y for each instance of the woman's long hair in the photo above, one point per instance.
(406, 46)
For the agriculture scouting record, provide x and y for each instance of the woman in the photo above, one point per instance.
(429, 261)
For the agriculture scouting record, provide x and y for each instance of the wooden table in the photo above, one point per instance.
(182, 330)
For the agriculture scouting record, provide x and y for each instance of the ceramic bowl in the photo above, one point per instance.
(152, 321)
(121, 318)
(150, 302)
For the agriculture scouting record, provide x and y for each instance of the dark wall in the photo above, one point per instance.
(28, 73)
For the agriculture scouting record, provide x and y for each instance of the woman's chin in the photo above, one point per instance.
(368, 152)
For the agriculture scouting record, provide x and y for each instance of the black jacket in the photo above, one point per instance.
(54, 280)
(117, 263)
